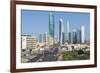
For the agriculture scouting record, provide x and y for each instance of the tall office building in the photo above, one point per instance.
(74, 36)
(69, 39)
(43, 37)
(82, 34)
(61, 32)
(40, 39)
(78, 36)
(46, 38)
(51, 26)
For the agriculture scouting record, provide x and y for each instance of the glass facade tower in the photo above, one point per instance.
(51, 26)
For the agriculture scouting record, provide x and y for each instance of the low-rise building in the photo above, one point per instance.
(28, 42)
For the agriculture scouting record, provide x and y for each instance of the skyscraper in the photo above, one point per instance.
(74, 37)
(61, 32)
(51, 26)
(82, 34)
(40, 39)
(78, 36)
(46, 38)
(69, 33)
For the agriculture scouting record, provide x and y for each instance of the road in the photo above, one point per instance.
(47, 55)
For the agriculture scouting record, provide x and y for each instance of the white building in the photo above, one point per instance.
(28, 42)
(82, 34)
(68, 27)
(69, 33)
(61, 31)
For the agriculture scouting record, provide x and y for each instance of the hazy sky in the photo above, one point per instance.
(34, 21)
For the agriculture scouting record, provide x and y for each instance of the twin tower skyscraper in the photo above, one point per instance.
(71, 37)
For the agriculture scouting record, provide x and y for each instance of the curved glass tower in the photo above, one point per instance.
(61, 32)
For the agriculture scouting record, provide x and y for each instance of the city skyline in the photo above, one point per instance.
(52, 36)
(32, 26)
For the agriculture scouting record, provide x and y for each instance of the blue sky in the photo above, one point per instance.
(34, 21)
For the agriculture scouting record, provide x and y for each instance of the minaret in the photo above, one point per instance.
(61, 32)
